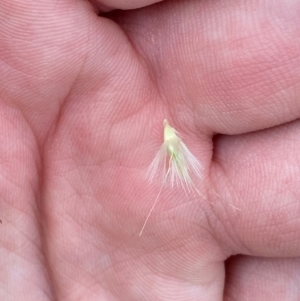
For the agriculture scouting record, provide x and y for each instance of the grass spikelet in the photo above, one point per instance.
(174, 162)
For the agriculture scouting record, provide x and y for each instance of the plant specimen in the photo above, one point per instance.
(174, 162)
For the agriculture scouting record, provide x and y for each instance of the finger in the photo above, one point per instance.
(234, 63)
(259, 173)
(107, 5)
(257, 278)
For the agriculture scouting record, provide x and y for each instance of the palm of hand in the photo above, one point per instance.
(82, 102)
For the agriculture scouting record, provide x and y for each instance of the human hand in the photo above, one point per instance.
(82, 103)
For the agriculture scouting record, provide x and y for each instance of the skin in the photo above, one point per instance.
(83, 93)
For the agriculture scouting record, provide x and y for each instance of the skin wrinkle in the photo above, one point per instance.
(147, 68)
(142, 56)
(257, 272)
(218, 238)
